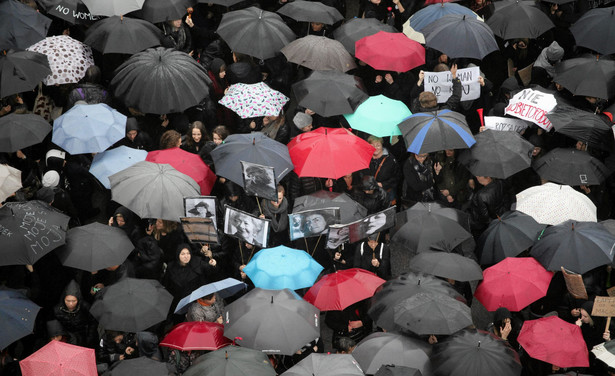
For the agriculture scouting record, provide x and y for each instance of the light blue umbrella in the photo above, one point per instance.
(88, 128)
(282, 267)
(115, 160)
(225, 288)
(379, 116)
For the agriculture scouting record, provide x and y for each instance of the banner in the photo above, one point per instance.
(532, 105)
(505, 124)
(441, 84)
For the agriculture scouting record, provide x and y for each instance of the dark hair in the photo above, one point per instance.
(196, 125)
(93, 75)
(221, 131)
(169, 139)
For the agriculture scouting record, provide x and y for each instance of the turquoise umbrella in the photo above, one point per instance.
(379, 116)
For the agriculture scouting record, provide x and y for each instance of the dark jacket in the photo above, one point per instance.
(363, 259)
(279, 222)
(148, 259)
(78, 323)
(419, 182)
(243, 72)
(385, 170)
(373, 202)
(147, 344)
(108, 351)
(488, 203)
(181, 280)
(452, 103)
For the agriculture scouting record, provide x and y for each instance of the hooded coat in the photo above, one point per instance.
(147, 344)
(78, 323)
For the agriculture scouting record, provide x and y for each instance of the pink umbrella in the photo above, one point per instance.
(58, 359)
(186, 163)
(390, 51)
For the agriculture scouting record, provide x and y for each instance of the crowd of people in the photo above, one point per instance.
(394, 178)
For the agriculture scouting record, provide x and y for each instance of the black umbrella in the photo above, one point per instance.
(21, 71)
(21, 25)
(596, 30)
(507, 236)
(497, 154)
(311, 11)
(18, 316)
(132, 305)
(456, 215)
(477, 353)
(446, 265)
(139, 366)
(232, 361)
(571, 167)
(326, 365)
(358, 28)
(122, 35)
(72, 11)
(29, 230)
(273, 321)
(426, 132)
(161, 81)
(94, 247)
(224, 3)
(393, 370)
(350, 210)
(457, 35)
(319, 53)
(588, 75)
(519, 20)
(18, 131)
(577, 246)
(156, 11)
(426, 314)
(330, 93)
(582, 125)
(255, 32)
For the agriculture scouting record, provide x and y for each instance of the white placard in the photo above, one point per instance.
(441, 84)
(532, 105)
(505, 124)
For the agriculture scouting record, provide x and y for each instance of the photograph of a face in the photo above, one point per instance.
(259, 180)
(200, 207)
(338, 235)
(200, 230)
(310, 223)
(372, 224)
(246, 227)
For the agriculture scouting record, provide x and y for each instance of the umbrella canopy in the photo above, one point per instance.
(460, 35)
(21, 71)
(30, 230)
(273, 321)
(447, 265)
(156, 11)
(552, 204)
(380, 348)
(582, 125)
(358, 28)
(232, 361)
(18, 131)
(68, 59)
(253, 100)
(319, 53)
(426, 132)
(153, 190)
(113, 161)
(72, 11)
(22, 26)
(160, 81)
(554, 341)
(186, 163)
(338, 290)
(18, 315)
(139, 366)
(596, 30)
(254, 148)
(88, 128)
(224, 288)
(311, 11)
(587, 76)
(330, 93)
(196, 335)
(517, 20)
(390, 51)
(132, 305)
(326, 365)
(10, 181)
(426, 314)
(379, 116)
(475, 352)
(350, 210)
(255, 32)
(507, 236)
(571, 167)
(282, 268)
(392, 370)
(122, 35)
(456, 215)
(577, 246)
(329, 153)
(497, 154)
(94, 247)
(431, 13)
(59, 358)
(513, 283)
(112, 8)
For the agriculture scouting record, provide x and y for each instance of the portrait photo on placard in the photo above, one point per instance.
(259, 180)
(338, 235)
(310, 223)
(244, 226)
(372, 224)
(201, 207)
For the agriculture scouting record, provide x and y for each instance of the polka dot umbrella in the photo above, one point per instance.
(68, 59)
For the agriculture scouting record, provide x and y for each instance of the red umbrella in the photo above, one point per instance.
(513, 283)
(390, 52)
(338, 290)
(554, 341)
(186, 163)
(59, 358)
(196, 335)
(329, 153)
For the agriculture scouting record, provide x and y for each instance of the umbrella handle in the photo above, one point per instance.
(259, 205)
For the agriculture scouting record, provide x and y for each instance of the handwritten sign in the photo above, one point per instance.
(604, 306)
(441, 84)
(505, 124)
(575, 285)
(532, 105)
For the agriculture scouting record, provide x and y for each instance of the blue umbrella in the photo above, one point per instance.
(431, 13)
(88, 128)
(426, 132)
(282, 267)
(224, 288)
(115, 160)
(18, 314)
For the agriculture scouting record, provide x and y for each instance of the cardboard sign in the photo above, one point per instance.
(532, 105)
(604, 306)
(441, 84)
(504, 124)
(611, 291)
(575, 285)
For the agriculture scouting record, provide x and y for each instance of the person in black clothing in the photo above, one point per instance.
(73, 313)
(490, 201)
(374, 256)
(371, 196)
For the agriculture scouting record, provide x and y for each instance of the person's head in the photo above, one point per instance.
(376, 2)
(421, 158)
(441, 68)
(93, 75)
(257, 175)
(183, 254)
(345, 345)
(208, 299)
(120, 220)
(274, 120)
(376, 142)
(218, 67)
(115, 336)
(163, 227)
(51, 179)
(586, 310)
(484, 180)
(450, 153)
(303, 121)
(196, 133)
(501, 317)
(247, 227)
(71, 302)
(522, 43)
(220, 133)
(554, 53)
(280, 189)
(170, 139)
(132, 128)
(317, 26)
(175, 23)
(369, 184)
(315, 223)
(428, 100)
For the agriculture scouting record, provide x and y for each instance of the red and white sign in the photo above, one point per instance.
(532, 105)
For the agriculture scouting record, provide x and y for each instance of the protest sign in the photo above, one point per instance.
(504, 124)
(604, 306)
(532, 105)
(440, 83)
(574, 283)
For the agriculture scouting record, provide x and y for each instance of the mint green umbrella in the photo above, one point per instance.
(379, 116)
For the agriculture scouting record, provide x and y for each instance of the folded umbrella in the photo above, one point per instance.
(232, 361)
(518, 20)
(112, 8)
(18, 316)
(186, 163)
(21, 71)
(390, 51)
(571, 167)
(156, 11)
(350, 210)
(18, 131)
(326, 365)
(122, 35)
(319, 53)
(69, 59)
(196, 335)
(72, 11)
(551, 204)
(426, 314)
(59, 358)
(596, 30)
(253, 100)
(10, 181)
(358, 28)
(431, 13)
(311, 11)
(112, 161)
(435, 131)
(224, 288)
(587, 75)
(379, 116)
(446, 265)
(22, 26)
(338, 290)
(582, 125)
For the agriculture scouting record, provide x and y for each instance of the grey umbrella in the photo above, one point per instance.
(122, 35)
(21, 71)
(232, 361)
(587, 75)
(319, 53)
(358, 28)
(350, 210)
(18, 131)
(112, 8)
(519, 20)
(393, 370)
(380, 348)
(156, 11)
(153, 190)
(447, 265)
(311, 11)
(326, 365)
(138, 366)
(572, 167)
(582, 125)
(21, 25)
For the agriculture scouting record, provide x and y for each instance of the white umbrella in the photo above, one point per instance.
(68, 59)
(10, 181)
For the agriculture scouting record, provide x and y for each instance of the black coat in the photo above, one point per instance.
(488, 203)
(363, 259)
(78, 323)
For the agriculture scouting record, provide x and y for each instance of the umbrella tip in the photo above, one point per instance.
(226, 355)
(418, 284)
(572, 226)
(478, 344)
(271, 299)
(253, 141)
(499, 218)
(464, 17)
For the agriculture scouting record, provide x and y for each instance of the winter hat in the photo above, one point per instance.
(555, 52)
(51, 179)
(45, 194)
(55, 153)
(302, 120)
(501, 314)
(588, 306)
